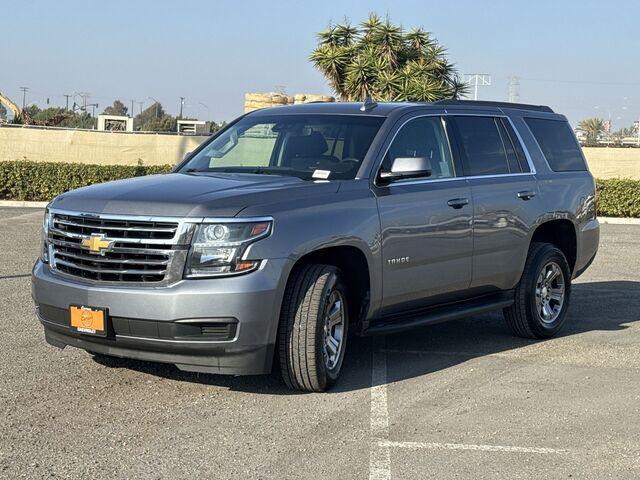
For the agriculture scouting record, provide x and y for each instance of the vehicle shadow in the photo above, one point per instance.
(595, 306)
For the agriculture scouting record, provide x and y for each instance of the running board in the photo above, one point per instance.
(442, 313)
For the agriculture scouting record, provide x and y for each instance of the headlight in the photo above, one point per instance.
(218, 248)
(44, 245)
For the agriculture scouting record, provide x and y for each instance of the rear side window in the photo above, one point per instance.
(482, 146)
(558, 144)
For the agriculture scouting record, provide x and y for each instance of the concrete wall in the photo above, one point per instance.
(613, 162)
(78, 146)
(62, 145)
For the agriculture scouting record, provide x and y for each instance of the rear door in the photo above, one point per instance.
(505, 197)
(425, 223)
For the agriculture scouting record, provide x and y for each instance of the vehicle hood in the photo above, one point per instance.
(189, 195)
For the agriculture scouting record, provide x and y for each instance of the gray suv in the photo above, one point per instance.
(295, 227)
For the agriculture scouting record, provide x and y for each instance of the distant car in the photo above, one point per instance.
(295, 226)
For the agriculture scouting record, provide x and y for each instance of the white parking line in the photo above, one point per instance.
(380, 455)
(381, 446)
(462, 446)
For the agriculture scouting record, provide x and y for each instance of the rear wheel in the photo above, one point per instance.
(542, 295)
(313, 328)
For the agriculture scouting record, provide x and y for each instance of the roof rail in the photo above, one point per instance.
(485, 103)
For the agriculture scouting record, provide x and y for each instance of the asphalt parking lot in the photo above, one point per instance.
(463, 399)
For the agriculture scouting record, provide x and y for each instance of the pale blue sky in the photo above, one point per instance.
(572, 55)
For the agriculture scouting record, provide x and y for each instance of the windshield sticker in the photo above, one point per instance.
(324, 174)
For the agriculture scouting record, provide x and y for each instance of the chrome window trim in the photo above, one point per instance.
(462, 177)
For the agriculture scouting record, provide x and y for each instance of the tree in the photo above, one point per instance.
(118, 108)
(593, 129)
(155, 119)
(383, 61)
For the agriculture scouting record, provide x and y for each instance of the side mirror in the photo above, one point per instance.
(186, 155)
(407, 167)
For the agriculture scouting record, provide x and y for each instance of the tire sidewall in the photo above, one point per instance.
(329, 377)
(543, 257)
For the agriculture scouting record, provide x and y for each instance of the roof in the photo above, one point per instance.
(384, 109)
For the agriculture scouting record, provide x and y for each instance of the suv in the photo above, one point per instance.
(296, 226)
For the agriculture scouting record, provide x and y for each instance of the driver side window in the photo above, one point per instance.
(423, 137)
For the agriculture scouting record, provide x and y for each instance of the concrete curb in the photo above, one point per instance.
(619, 220)
(605, 220)
(22, 204)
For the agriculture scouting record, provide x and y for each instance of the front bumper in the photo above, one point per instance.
(180, 324)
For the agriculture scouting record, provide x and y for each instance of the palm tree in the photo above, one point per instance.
(381, 60)
(593, 129)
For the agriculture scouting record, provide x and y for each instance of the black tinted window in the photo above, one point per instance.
(512, 158)
(522, 158)
(482, 147)
(558, 144)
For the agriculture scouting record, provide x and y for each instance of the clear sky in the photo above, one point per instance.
(581, 57)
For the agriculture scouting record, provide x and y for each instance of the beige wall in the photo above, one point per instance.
(613, 162)
(61, 145)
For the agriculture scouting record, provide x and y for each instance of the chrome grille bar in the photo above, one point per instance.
(138, 249)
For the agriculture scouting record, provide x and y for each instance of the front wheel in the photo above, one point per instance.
(312, 334)
(542, 296)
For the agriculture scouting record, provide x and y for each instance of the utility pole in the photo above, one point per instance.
(67, 101)
(140, 105)
(131, 111)
(181, 105)
(514, 89)
(24, 96)
(478, 80)
(157, 104)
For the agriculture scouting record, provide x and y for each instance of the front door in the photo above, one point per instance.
(425, 223)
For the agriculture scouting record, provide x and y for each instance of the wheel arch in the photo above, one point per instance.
(560, 233)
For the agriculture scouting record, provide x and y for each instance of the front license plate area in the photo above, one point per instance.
(88, 320)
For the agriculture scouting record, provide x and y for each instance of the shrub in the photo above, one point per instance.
(618, 197)
(26, 180)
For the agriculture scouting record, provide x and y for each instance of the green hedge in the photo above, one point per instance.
(25, 180)
(618, 197)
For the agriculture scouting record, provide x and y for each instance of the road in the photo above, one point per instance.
(463, 399)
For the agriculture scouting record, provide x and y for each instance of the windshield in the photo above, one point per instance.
(306, 146)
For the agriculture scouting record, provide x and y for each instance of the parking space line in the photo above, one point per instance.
(380, 455)
(462, 446)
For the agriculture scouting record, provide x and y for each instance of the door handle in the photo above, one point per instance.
(458, 202)
(526, 194)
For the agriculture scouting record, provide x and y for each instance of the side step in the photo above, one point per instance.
(441, 313)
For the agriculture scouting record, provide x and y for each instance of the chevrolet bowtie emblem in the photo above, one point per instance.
(97, 244)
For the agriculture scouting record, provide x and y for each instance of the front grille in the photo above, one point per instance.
(139, 251)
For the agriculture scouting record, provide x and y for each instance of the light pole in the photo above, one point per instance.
(181, 105)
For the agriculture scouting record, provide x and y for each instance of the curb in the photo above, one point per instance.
(22, 204)
(604, 220)
(619, 220)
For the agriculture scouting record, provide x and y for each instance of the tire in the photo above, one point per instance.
(528, 317)
(313, 292)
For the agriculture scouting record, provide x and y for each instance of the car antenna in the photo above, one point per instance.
(369, 104)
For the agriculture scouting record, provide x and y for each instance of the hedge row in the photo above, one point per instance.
(618, 197)
(25, 180)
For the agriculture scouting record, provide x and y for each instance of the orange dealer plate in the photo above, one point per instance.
(89, 320)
